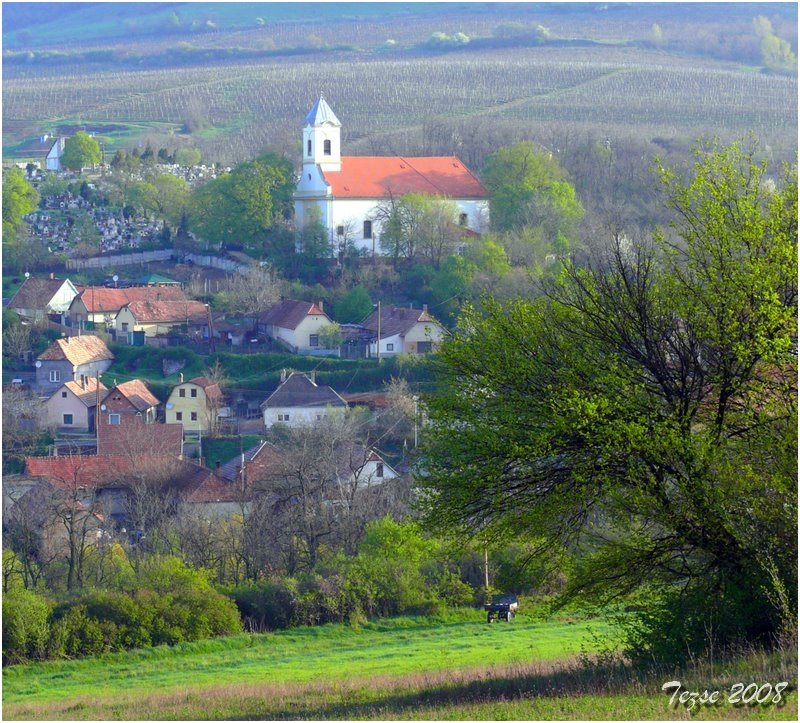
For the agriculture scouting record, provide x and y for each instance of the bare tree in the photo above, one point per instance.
(23, 423)
(254, 289)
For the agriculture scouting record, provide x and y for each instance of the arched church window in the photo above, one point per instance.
(309, 147)
(367, 229)
(326, 148)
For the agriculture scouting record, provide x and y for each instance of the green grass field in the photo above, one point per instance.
(407, 668)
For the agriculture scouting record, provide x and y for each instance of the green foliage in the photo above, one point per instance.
(638, 412)
(164, 195)
(19, 199)
(528, 187)
(81, 151)
(354, 306)
(242, 205)
(188, 157)
(26, 624)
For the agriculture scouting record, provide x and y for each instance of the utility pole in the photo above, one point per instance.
(379, 332)
(210, 328)
(97, 411)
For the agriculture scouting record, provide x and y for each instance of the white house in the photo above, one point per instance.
(344, 192)
(38, 297)
(299, 401)
(402, 330)
(296, 323)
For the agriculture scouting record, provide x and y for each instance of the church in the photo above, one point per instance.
(344, 192)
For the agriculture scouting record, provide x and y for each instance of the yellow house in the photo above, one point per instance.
(161, 317)
(196, 404)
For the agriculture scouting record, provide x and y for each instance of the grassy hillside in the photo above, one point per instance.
(403, 668)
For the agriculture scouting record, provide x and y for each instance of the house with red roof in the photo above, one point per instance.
(73, 407)
(73, 358)
(346, 192)
(38, 297)
(100, 305)
(402, 330)
(295, 323)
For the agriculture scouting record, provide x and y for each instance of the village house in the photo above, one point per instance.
(73, 407)
(38, 297)
(196, 404)
(74, 358)
(295, 323)
(156, 318)
(345, 193)
(402, 330)
(299, 401)
(100, 305)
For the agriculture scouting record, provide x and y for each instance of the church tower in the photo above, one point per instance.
(322, 138)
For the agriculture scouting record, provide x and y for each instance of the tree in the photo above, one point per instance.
(354, 306)
(330, 336)
(644, 415)
(253, 290)
(19, 199)
(242, 205)
(164, 195)
(528, 187)
(188, 157)
(81, 151)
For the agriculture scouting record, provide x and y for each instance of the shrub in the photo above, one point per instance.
(269, 604)
(26, 625)
(75, 634)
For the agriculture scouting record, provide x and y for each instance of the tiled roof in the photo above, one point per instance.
(35, 293)
(99, 299)
(256, 459)
(163, 440)
(137, 393)
(86, 393)
(288, 314)
(321, 113)
(396, 320)
(385, 176)
(77, 350)
(167, 311)
(299, 391)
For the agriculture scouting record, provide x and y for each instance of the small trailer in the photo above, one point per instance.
(503, 607)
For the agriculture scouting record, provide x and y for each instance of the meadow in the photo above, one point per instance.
(453, 667)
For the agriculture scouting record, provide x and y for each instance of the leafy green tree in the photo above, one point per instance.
(80, 151)
(330, 336)
(242, 205)
(188, 157)
(19, 199)
(644, 414)
(164, 195)
(354, 306)
(528, 187)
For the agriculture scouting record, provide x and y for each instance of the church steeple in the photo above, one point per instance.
(321, 137)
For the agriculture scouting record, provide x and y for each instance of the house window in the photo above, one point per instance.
(181, 392)
(55, 375)
(113, 418)
(319, 417)
(340, 230)
(326, 148)
(67, 419)
(194, 392)
(308, 152)
(423, 347)
(462, 219)
(367, 229)
(390, 347)
(283, 417)
(379, 469)
(179, 416)
(124, 326)
(313, 339)
(63, 395)
(194, 416)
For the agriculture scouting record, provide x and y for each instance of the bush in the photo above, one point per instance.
(26, 625)
(75, 634)
(268, 605)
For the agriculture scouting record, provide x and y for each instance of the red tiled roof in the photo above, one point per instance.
(212, 389)
(163, 440)
(384, 176)
(86, 393)
(99, 299)
(288, 314)
(167, 311)
(77, 350)
(137, 393)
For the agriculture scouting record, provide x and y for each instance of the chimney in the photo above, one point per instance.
(283, 376)
(52, 275)
(181, 377)
(321, 305)
(424, 308)
(217, 465)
